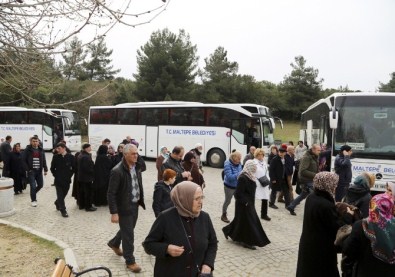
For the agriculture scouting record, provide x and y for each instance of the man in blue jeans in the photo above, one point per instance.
(308, 168)
(34, 162)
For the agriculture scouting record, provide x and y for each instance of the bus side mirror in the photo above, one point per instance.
(333, 118)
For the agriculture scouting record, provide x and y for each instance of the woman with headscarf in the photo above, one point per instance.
(391, 190)
(183, 238)
(163, 156)
(118, 155)
(189, 164)
(103, 166)
(317, 253)
(371, 243)
(246, 227)
(358, 194)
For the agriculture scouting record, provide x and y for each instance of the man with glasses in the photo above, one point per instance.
(308, 168)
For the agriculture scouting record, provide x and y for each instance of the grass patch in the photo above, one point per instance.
(289, 132)
(24, 254)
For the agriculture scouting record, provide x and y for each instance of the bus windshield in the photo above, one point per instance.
(367, 124)
(72, 124)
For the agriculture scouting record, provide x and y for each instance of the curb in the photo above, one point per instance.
(67, 251)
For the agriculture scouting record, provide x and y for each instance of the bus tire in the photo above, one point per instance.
(216, 158)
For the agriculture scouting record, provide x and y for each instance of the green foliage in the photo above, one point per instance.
(300, 88)
(32, 72)
(390, 86)
(98, 65)
(124, 90)
(166, 65)
(73, 59)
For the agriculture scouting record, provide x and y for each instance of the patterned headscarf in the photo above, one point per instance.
(182, 196)
(392, 186)
(326, 181)
(379, 228)
(249, 170)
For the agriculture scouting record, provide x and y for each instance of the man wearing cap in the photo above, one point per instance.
(308, 168)
(343, 169)
(62, 168)
(278, 178)
(86, 175)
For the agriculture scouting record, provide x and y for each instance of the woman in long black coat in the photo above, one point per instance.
(103, 165)
(246, 227)
(17, 172)
(317, 253)
(183, 238)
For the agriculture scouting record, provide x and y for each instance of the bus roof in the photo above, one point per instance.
(329, 99)
(178, 104)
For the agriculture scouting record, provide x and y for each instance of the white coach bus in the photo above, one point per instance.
(50, 125)
(365, 121)
(220, 128)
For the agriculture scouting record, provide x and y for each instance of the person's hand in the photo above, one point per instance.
(174, 250)
(206, 269)
(274, 181)
(351, 212)
(45, 173)
(114, 218)
(186, 174)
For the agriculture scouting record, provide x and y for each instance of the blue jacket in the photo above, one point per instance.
(343, 168)
(231, 172)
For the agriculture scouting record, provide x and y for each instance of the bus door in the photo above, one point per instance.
(151, 142)
(238, 136)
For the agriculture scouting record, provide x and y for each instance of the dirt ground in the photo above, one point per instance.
(25, 255)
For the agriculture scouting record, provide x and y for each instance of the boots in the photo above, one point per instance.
(224, 218)
(264, 210)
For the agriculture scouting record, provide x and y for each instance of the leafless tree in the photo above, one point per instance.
(40, 28)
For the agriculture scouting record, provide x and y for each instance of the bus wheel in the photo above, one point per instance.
(216, 158)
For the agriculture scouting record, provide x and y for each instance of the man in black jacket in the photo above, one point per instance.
(33, 159)
(86, 175)
(278, 178)
(62, 168)
(174, 163)
(125, 195)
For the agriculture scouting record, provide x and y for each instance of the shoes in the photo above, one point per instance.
(64, 213)
(57, 206)
(265, 217)
(224, 218)
(281, 200)
(291, 211)
(116, 250)
(245, 245)
(91, 209)
(134, 267)
(34, 203)
(273, 206)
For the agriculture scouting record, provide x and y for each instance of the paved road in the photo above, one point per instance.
(87, 233)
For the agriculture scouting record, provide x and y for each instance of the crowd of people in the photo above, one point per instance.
(339, 216)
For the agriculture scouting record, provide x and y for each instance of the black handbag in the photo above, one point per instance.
(264, 181)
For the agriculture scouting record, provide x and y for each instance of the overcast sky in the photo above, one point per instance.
(350, 42)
